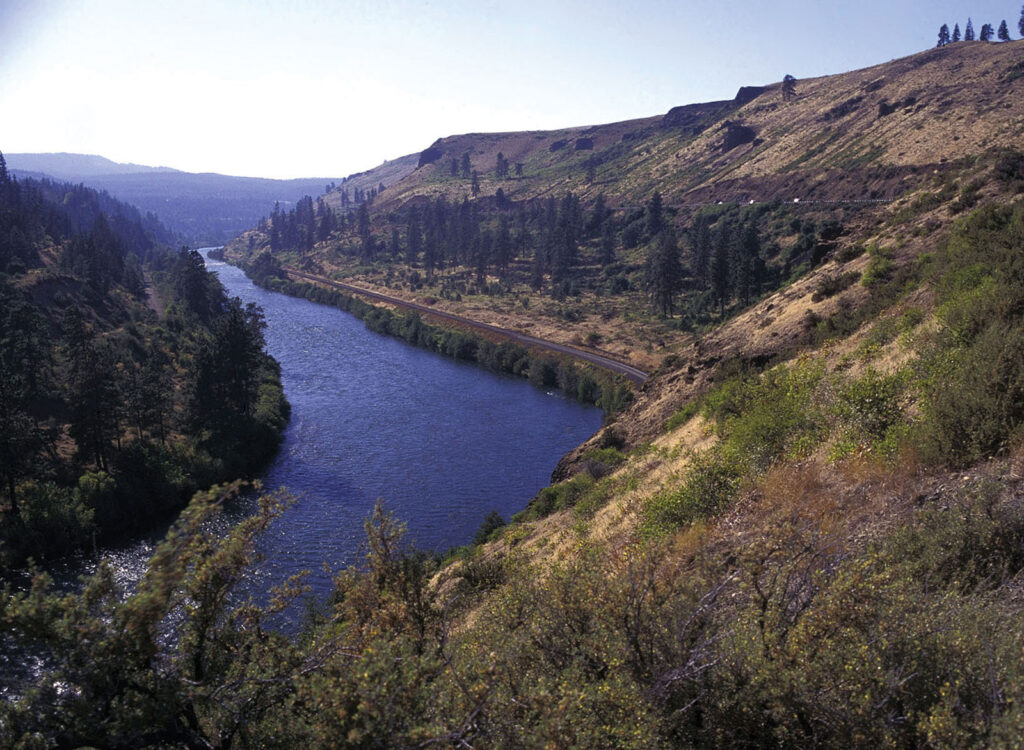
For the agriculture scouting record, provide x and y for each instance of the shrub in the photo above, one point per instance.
(880, 266)
(711, 481)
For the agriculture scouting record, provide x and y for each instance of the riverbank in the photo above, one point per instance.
(545, 364)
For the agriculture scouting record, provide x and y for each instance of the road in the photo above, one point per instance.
(621, 368)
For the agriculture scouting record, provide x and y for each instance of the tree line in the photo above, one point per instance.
(988, 31)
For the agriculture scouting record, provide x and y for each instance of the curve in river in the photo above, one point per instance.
(442, 442)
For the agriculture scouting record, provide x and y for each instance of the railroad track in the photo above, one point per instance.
(631, 373)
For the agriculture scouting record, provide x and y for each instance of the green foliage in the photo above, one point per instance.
(880, 266)
(51, 520)
(557, 497)
(711, 480)
(971, 396)
(759, 418)
(684, 415)
(833, 284)
(491, 524)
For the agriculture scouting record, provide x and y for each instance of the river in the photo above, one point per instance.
(440, 441)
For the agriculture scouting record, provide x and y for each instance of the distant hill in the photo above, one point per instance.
(203, 208)
(75, 166)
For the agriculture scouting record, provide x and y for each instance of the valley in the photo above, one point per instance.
(799, 524)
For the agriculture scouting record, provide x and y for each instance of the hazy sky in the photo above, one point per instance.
(314, 88)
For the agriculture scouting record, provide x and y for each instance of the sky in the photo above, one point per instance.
(320, 88)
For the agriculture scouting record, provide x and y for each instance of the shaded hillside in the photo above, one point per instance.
(110, 416)
(202, 208)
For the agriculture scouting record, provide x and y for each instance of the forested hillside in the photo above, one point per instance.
(111, 415)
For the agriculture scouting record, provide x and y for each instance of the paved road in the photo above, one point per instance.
(621, 368)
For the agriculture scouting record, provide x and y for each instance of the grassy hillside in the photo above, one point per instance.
(838, 146)
(805, 531)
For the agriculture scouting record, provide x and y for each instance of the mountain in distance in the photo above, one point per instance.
(67, 166)
(203, 208)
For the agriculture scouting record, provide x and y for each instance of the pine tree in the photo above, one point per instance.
(664, 272)
(1020, 23)
(720, 269)
(655, 215)
(467, 168)
(943, 36)
(788, 88)
(475, 186)
(503, 245)
(607, 244)
(1004, 32)
(956, 32)
(969, 31)
(986, 33)
(4, 177)
(501, 166)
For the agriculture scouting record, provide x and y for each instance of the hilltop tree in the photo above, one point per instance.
(1020, 22)
(943, 36)
(1004, 32)
(664, 272)
(788, 88)
(986, 33)
(956, 32)
(969, 31)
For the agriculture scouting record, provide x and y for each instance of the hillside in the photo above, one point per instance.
(116, 398)
(807, 528)
(839, 145)
(201, 208)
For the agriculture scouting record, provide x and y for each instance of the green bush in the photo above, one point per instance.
(711, 481)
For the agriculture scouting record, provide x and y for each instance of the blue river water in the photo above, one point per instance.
(440, 441)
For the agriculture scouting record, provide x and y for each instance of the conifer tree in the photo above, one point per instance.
(720, 268)
(664, 272)
(655, 215)
(943, 36)
(466, 166)
(1004, 32)
(1020, 22)
(788, 87)
(607, 244)
(969, 31)
(956, 32)
(986, 33)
